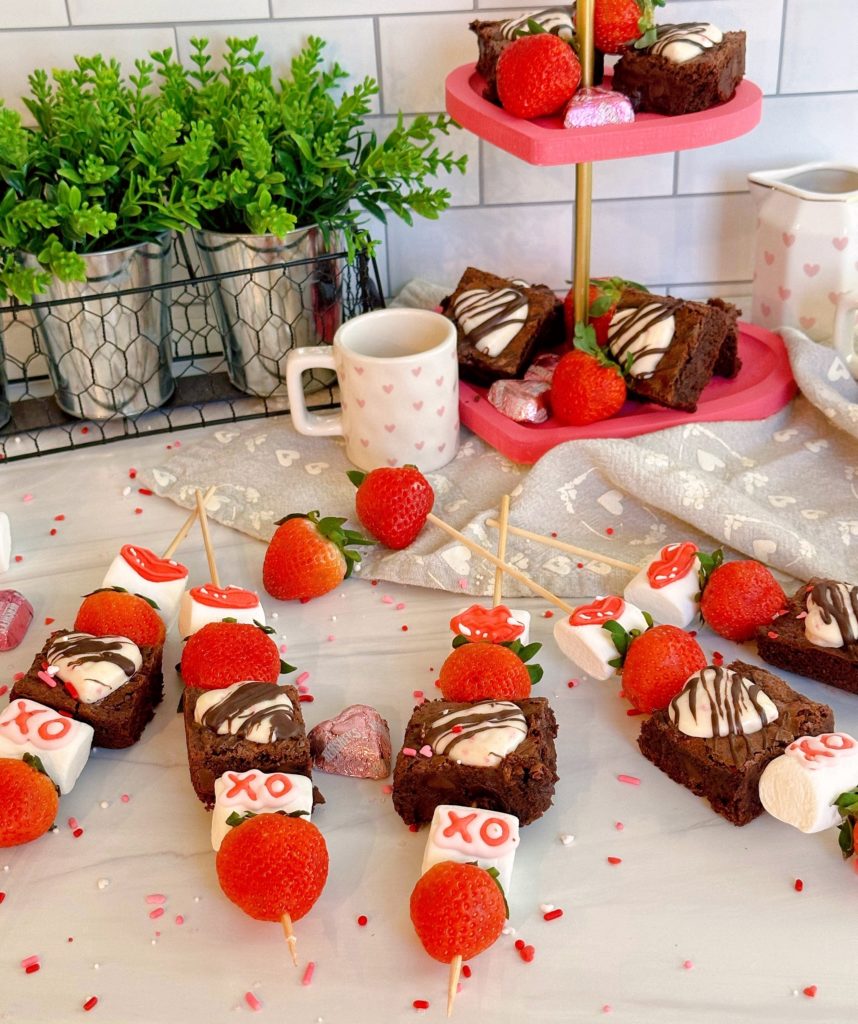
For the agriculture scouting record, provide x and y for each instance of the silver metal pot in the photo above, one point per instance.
(111, 356)
(264, 315)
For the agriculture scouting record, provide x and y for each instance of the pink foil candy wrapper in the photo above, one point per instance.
(594, 107)
(525, 401)
(542, 368)
(356, 742)
(16, 614)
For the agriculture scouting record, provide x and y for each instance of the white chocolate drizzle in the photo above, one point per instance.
(556, 20)
(684, 42)
(486, 731)
(719, 702)
(643, 335)
(491, 319)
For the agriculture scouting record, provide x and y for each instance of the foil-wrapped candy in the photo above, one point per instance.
(525, 401)
(16, 614)
(356, 742)
(593, 107)
(543, 367)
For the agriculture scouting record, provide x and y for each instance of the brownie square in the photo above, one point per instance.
(211, 754)
(784, 644)
(521, 784)
(689, 355)
(657, 85)
(542, 325)
(119, 718)
(491, 45)
(727, 769)
(728, 362)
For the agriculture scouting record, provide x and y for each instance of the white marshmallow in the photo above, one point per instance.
(258, 793)
(194, 614)
(5, 542)
(674, 603)
(62, 744)
(590, 646)
(801, 785)
(468, 834)
(128, 569)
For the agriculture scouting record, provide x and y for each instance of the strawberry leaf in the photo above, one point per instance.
(286, 667)
(495, 876)
(356, 476)
(35, 762)
(268, 630)
(621, 638)
(460, 641)
(536, 672)
(708, 564)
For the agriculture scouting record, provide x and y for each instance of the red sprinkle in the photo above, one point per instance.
(180, 919)
(548, 614)
(692, 632)
(609, 530)
(53, 531)
(19, 558)
(3, 689)
(252, 1001)
(413, 828)
(632, 780)
(580, 565)
(633, 712)
(49, 620)
(404, 629)
(78, 832)
(60, 518)
(421, 1004)
(363, 920)
(527, 954)
(552, 915)
(2, 896)
(717, 658)
(374, 582)
(810, 991)
(90, 1003)
(554, 534)
(72, 691)
(615, 860)
(306, 698)
(519, 944)
(457, 728)
(125, 798)
(132, 473)
(84, 430)
(573, 683)
(138, 511)
(798, 885)
(144, 490)
(308, 973)
(33, 968)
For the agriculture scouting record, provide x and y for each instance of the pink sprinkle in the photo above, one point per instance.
(303, 688)
(631, 780)
(615, 860)
(156, 897)
(772, 635)
(607, 1008)
(27, 497)
(308, 973)
(573, 683)
(18, 676)
(177, 444)
(46, 679)
(331, 638)
(90, 1003)
(3, 690)
(282, 648)
(409, 752)
(386, 599)
(417, 694)
(801, 615)
(73, 823)
(687, 964)
(302, 678)
(619, 826)
(387, 789)
(125, 798)
(463, 584)
(28, 961)
(400, 606)
(252, 1002)
(180, 919)
(425, 750)
(156, 913)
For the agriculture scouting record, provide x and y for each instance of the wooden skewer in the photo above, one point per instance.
(286, 922)
(173, 546)
(497, 597)
(204, 526)
(455, 971)
(509, 569)
(552, 542)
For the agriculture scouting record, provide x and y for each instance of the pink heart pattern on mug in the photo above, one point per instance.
(365, 442)
(419, 445)
(359, 370)
(439, 381)
(417, 371)
(417, 405)
(387, 388)
(390, 427)
(807, 322)
(788, 239)
(784, 292)
(769, 257)
(811, 269)
(441, 411)
(361, 402)
(840, 243)
(766, 308)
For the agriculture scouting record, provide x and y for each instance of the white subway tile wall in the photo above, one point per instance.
(679, 222)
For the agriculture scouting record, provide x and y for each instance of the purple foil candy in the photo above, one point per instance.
(16, 614)
(542, 368)
(594, 107)
(356, 742)
(525, 401)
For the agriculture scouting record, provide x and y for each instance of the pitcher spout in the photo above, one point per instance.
(827, 182)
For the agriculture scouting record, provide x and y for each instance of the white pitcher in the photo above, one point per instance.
(807, 245)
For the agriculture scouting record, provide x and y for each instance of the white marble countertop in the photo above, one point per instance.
(699, 923)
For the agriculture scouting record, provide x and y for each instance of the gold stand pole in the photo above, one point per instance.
(584, 175)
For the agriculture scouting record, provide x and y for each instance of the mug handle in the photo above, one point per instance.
(306, 422)
(844, 331)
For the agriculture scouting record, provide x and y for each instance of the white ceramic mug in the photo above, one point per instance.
(398, 374)
(845, 334)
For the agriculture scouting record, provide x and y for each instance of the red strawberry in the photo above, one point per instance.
(620, 23)
(484, 671)
(739, 597)
(657, 665)
(308, 556)
(115, 612)
(603, 297)
(587, 385)
(223, 653)
(29, 803)
(457, 910)
(536, 75)
(392, 504)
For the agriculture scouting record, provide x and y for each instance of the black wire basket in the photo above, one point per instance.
(60, 401)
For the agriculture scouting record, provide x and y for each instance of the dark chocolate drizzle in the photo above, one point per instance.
(83, 649)
(556, 20)
(622, 334)
(679, 33)
(280, 719)
(502, 304)
(482, 717)
(831, 599)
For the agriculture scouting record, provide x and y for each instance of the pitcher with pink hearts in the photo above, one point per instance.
(807, 245)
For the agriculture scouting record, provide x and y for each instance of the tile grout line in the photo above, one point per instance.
(784, 14)
(68, 12)
(376, 41)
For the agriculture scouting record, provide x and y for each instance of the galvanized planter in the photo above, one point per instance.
(111, 356)
(263, 316)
